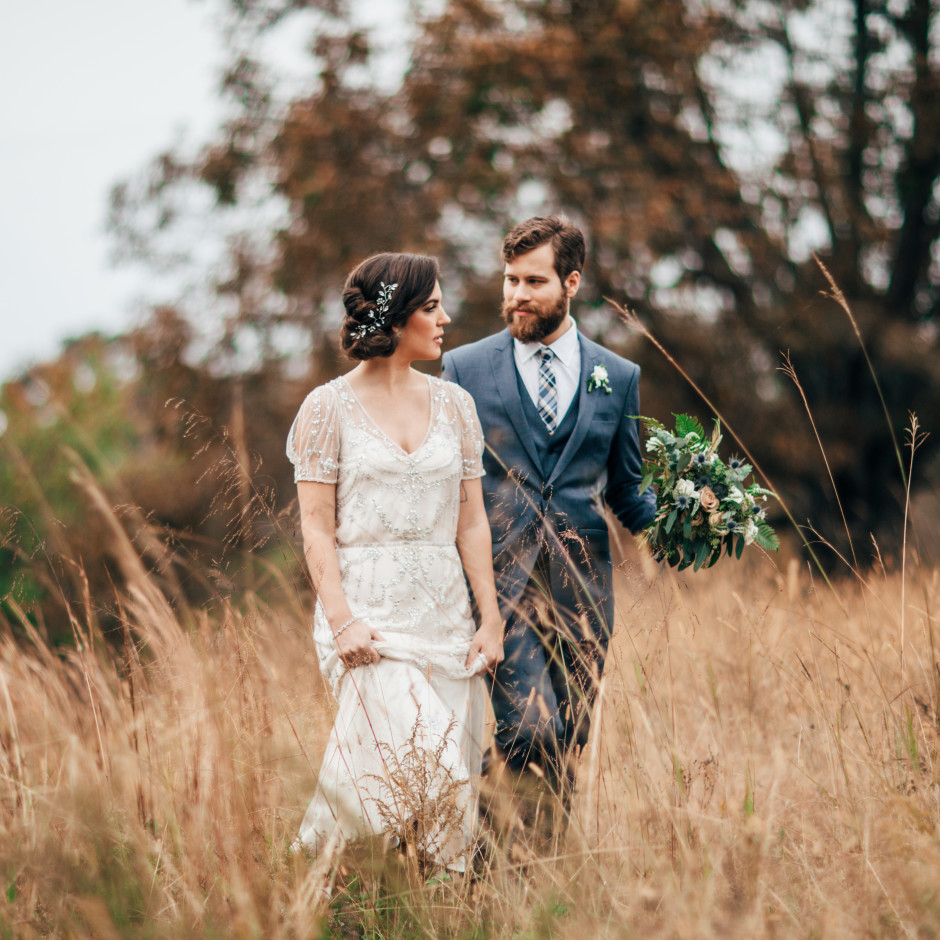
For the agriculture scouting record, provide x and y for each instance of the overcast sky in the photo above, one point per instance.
(89, 91)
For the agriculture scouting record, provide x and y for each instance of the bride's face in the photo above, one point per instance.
(423, 333)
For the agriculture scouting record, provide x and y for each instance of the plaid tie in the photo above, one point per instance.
(548, 397)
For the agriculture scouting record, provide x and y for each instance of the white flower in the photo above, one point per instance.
(750, 532)
(599, 379)
(686, 488)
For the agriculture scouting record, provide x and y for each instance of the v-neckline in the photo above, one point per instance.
(375, 424)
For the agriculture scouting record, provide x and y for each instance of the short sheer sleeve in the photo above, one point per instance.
(314, 438)
(471, 434)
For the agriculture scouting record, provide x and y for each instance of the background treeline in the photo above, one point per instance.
(707, 149)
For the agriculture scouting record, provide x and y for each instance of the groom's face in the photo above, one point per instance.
(535, 302)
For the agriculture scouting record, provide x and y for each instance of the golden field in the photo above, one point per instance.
(766, 766)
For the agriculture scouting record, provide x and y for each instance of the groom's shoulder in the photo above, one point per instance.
(482, 346)
(482, 349)
(616, 364)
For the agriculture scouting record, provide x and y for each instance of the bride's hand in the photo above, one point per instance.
(486, 648)
(355, 645)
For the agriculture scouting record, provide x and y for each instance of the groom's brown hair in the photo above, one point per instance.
(566, 239)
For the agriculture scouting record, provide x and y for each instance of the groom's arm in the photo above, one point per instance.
(635, 510)
(449, 369)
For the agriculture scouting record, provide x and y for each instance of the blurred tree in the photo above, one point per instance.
(173, 448)
(707, 148)
(65, 413)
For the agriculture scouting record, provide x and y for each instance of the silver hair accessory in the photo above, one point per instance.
(376, 318)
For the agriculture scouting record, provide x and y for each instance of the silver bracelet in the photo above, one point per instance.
(348, 623)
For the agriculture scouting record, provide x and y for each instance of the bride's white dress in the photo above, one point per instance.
(406, 743)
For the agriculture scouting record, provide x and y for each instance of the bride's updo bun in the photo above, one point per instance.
(379, 296)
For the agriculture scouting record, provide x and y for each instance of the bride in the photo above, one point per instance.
(388, 464)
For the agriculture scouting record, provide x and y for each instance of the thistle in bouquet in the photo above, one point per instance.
(703, 505)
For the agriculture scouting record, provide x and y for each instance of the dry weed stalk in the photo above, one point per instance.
(776, 786)
(768, 765)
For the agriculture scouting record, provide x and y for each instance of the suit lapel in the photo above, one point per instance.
(586, 409)
(507, 388)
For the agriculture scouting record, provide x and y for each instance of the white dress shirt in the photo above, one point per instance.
(567, 366)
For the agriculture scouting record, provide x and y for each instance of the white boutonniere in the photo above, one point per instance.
(599, 379)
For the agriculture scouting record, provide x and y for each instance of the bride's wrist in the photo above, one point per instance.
(491, 625)
(489, 613)
(336, 631)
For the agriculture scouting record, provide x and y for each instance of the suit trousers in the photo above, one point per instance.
(543, 691)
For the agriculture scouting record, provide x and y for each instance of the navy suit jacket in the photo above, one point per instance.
(601, 463)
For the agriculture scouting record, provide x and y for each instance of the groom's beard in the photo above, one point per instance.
(539, 324)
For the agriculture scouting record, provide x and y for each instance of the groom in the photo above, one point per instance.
(561, 443)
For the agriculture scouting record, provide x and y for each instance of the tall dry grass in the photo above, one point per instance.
(764, 763)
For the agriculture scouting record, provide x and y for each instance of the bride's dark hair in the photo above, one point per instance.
(373, 311)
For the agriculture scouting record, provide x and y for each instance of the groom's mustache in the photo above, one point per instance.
(508, 309)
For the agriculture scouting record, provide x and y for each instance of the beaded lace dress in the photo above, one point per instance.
(406, 742)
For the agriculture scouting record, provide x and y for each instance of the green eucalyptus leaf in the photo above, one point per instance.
(701, 555)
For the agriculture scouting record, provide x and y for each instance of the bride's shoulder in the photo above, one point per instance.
(324, 399)
(447, 389)
(334, 390)
(454, 395)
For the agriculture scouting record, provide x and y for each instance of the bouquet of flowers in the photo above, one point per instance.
(702, 503)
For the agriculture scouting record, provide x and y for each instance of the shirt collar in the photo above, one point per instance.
(566, 347)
